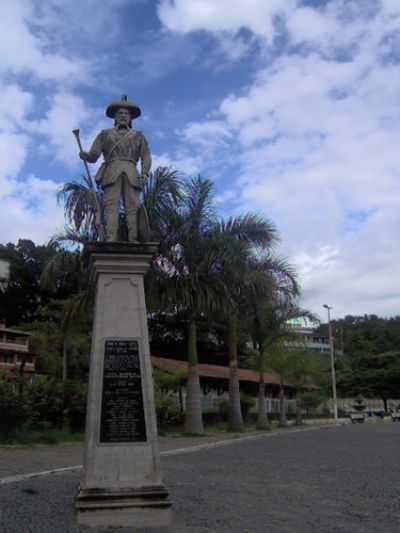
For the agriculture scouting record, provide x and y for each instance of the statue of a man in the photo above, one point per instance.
(122, 148)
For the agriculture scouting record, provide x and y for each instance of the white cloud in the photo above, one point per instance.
(205, 133)
(390, 7)
(29, 210)
(67, 112)
(28, 205)
(182, 162)
(23, 51)
(15, 103)
(225, 15)
(46, 51)
(315, 143)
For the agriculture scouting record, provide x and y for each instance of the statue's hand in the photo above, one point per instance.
(83, 155)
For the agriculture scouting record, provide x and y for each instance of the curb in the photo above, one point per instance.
(167, 453)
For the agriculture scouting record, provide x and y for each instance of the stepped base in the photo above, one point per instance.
(139, 507)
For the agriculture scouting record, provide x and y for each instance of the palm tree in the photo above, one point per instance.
(186, 279)
(277, 330)
(80, 200)
(280, 361)
(277, 289)
(66, 268)
(160, 194)
(239, 237)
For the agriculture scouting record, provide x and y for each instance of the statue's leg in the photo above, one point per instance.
(112, 194)
(131, 201)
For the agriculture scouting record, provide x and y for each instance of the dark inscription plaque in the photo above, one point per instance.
(122, 413)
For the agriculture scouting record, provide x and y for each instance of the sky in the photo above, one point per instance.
(291, 107)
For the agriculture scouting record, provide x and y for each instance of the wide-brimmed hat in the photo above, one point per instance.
(125, 104)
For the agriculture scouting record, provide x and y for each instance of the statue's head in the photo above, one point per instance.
(123, 118)
(123, 112)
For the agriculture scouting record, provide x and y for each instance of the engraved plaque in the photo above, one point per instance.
(122, 412)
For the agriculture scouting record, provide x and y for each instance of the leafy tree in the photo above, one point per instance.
(186, 277)
(268, 311)
(239, 238)
(24, 296)
(280, 361)
(160, 195)
(372, 376)
(306, 372)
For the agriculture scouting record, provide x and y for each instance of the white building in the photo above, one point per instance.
(307, 338)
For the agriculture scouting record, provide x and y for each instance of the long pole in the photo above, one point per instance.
(333, 373)
(98, 222)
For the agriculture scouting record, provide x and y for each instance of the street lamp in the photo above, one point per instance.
(4, 274)
(333, 375)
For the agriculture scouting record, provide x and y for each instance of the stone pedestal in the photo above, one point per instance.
(121, 484)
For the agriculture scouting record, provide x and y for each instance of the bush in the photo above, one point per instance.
(168, 415)
(223, 410)
(75, 396)
(311, 400)
(247, 403)
(14, 409)
(46, 400)
(44, 406)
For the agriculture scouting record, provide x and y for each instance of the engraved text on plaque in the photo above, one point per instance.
(122, 412)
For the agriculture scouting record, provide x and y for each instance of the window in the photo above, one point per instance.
(7, 358)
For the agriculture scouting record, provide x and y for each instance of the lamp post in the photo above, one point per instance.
(333, 374)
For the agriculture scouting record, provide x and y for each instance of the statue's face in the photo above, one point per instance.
(123, 118)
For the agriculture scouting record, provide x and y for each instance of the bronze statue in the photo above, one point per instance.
(122, 148)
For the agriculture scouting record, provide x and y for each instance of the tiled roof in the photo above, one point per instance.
(215, 371)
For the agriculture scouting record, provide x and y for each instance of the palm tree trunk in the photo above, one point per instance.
(64, 359)
(262, 417)
(193, 418)
(180, 399)
(282, 406)
(235, 410)
(299, 409)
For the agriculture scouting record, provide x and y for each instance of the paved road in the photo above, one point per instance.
(336, 480)
(21, 460)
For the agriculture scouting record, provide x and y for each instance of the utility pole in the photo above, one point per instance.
(333, 373)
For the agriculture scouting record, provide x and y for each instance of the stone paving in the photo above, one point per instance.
(336, 480)
(28, 459)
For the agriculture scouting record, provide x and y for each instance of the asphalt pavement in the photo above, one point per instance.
(333, 480)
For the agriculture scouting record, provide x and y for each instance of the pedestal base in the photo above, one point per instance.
(140, 507)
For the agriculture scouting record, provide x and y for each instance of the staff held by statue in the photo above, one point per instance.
(98, 214)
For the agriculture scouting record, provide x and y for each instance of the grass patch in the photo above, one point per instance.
(213, 430)
(50, 437)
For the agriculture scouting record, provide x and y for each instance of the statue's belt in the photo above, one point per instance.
(121, 159)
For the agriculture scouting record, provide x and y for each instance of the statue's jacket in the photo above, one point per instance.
(121, 152)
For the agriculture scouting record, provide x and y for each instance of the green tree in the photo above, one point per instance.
(269, 309)
(307, 372)
(160, 195)
(372, 376)
(24, 296)
(280, 361)
(240, 238)
(186, 278)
